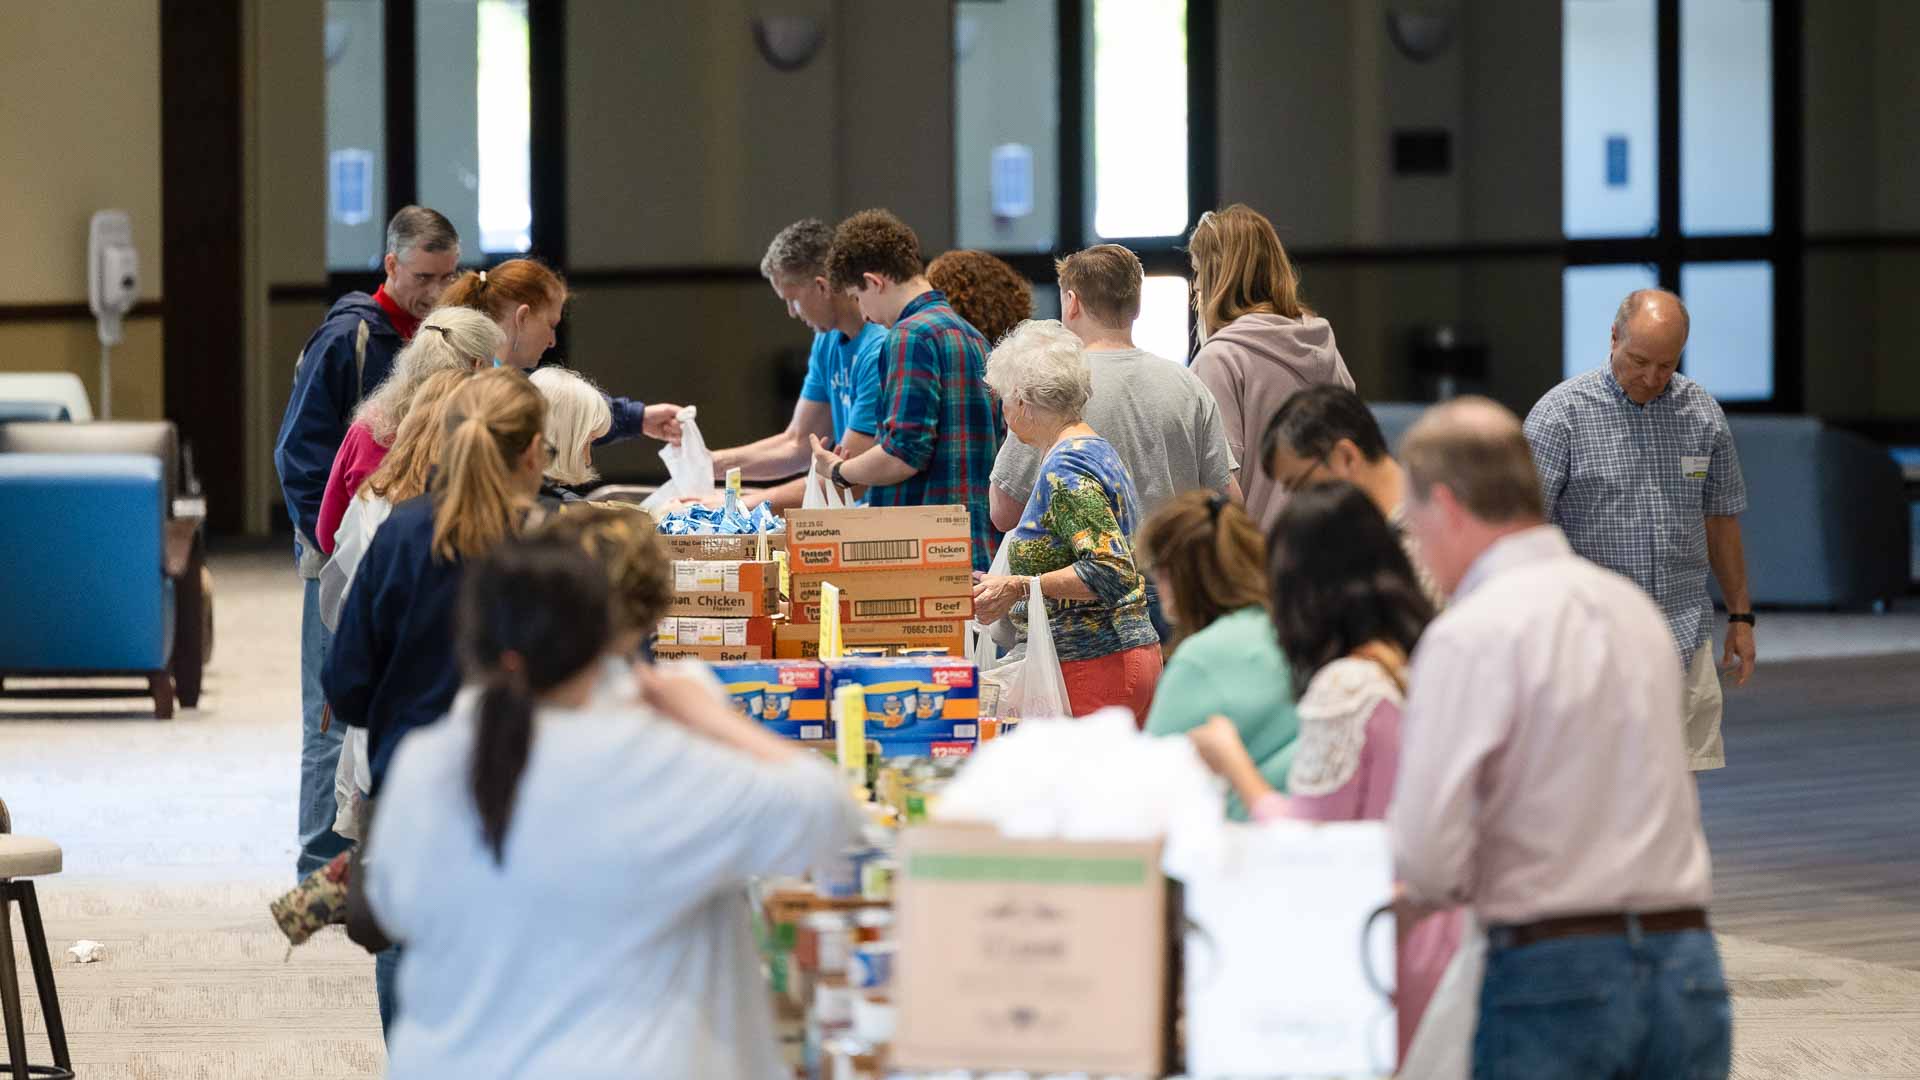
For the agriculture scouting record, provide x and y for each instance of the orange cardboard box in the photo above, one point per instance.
(889, 596)
(1008, 958)
(801, 641)
(879, 538)
(709, 652)
(725, 588)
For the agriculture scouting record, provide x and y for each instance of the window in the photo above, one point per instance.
(1138, 81)
(1730, 348)
(355, 53)
(1610, 150)
(473, 121)
(1006, 117)
(1165, 312)
(1726, 117)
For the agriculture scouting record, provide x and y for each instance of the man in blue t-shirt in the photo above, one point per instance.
(840, 400)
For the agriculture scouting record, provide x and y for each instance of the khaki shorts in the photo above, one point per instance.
(1704, 707)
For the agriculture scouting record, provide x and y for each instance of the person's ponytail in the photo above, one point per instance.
(500, 749)
(490, 422)
(533, 615)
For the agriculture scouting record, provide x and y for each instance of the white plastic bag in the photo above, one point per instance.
(689, 465)
(985, 644)
(821, 493)
(363, 518)
(1036, 689)
(1442, 1047)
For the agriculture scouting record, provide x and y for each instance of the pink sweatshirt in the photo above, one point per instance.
(1253, 365)
(359, 458)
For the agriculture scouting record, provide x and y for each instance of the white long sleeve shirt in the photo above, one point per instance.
(615, 940)
(1543, 767)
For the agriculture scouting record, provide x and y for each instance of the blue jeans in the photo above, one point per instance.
(386, 968)
(1637, 1005)
(319, 750)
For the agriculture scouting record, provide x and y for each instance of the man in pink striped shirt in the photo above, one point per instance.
(1544, 782)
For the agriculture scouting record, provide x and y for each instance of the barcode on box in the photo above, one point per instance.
(859, 551)
(882, 609)
(813, 731)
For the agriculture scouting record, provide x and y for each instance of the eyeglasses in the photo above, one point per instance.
(1294, 484)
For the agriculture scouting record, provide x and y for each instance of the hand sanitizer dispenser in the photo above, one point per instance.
(113, 287)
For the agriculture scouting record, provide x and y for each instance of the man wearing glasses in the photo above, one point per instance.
(1326, 433)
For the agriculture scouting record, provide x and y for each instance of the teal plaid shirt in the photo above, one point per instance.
(937, 416)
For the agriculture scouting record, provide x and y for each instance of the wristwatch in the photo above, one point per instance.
(838, 479)
(1741, 617)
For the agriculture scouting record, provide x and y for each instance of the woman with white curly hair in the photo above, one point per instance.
(1073, 533)
(577, 416)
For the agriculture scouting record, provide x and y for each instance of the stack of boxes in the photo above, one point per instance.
(905, 576)
(727, 599)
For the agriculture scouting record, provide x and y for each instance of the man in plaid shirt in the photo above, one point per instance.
(1638, 469)
(939, 428)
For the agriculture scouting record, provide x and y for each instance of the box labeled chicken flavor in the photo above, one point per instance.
(724, 588)
(879, 538)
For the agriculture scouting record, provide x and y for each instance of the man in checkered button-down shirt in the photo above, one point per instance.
(1638, 469)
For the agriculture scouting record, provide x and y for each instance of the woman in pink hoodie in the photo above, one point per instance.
(1259, 343)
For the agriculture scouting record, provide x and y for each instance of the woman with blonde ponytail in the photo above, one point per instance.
(391, 668)
(1210, 566)
(450, 339)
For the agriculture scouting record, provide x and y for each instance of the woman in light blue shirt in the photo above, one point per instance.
(1209, 564)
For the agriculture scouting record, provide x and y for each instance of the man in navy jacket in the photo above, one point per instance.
(346, 359)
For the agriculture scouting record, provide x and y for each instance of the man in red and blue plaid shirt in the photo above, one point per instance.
(939, 428)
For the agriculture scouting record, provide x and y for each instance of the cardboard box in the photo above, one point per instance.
(722, 548)
(733, 633)
(913, 699)
(879, 538)
(725, 588)
(789, 697)
(888, 596)
(798, 640)
(709, 652)
(1009, 959)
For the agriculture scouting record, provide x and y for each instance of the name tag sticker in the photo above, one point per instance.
(1694, 468)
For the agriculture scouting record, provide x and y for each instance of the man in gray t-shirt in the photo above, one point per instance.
(1162, 421)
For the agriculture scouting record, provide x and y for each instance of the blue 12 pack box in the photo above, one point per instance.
(789, 697)
(917, 706)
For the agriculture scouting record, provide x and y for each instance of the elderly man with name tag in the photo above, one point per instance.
(1638, 468)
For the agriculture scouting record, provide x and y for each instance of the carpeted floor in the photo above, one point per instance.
(177, 833)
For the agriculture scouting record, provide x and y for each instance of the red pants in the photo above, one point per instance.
(1125, 679)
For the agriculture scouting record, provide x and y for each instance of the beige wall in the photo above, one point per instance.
(81, 128)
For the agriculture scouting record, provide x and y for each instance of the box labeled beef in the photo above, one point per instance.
(732, 633)
(913, 699)
(1014, 957)
(879, 538)
(725, 588)
(889, 595)
(709, 653)
(788, 696)
(941, 638)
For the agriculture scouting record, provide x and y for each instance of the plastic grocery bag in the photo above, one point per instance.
(821, 493)
(984, 642)
(689, 465)
(1036, 689)
(1442, 1047)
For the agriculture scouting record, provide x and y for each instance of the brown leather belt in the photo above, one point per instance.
(1519, 935)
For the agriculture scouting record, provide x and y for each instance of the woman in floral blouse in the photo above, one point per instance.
(1073, 534)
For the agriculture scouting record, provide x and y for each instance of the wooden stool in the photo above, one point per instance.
(25, 857)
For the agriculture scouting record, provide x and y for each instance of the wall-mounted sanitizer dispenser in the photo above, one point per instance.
(113, 287)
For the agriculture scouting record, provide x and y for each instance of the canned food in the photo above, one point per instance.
(871, 924)
(876, 880)
(872, 964)
(831, 935)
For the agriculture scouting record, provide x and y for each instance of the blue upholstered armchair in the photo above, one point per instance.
(83, 574)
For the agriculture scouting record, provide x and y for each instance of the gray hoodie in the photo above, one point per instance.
(1253, 365)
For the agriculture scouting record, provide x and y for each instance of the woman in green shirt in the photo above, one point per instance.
(1209, 562)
